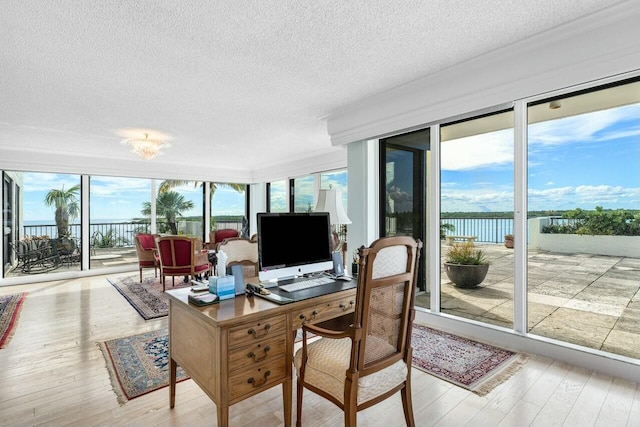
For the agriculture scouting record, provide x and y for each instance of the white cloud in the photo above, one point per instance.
(472, 152)
(583, 127)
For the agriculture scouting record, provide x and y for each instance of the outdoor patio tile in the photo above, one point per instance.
(549, 300)
(611, 296)
(471, 305)
(580, 319)
(629, 321)
(623, 343)
(628, 274)
(560, 288)
(594, 307)
(573, 326)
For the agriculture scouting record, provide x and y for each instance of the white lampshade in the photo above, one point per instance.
(331, 201)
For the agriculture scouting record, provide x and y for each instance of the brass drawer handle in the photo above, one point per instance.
(344, 306)
(304, 318)
(255, 358)
(260, 383)
(255, 334)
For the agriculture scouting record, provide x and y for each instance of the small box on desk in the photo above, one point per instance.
(223, 286)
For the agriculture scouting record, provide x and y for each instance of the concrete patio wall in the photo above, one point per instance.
(627, 246)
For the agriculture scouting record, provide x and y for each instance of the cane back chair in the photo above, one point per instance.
(370, 359)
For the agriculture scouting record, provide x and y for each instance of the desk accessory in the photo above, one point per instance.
(203, 299)
(223, 286)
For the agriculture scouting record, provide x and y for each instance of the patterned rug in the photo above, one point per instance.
(469, 364)
(146, 297)
(9, 312)
(138, 364)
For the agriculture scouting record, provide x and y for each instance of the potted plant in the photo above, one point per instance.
(465, 265)
(508, 241)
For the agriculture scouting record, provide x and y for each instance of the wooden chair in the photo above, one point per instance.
(147, 254)
(241, 251)
(181, 256)
(370, 359)
(218, 236)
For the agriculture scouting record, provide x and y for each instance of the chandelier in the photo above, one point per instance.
(146, 148)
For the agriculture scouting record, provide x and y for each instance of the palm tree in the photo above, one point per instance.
(67, 207)
(169, 204)
(168, 184)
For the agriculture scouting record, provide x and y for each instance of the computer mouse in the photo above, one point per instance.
(344, 278)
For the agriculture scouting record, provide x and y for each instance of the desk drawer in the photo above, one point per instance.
(257, 331)
(318, 312)
(257, 352)
(258, 378)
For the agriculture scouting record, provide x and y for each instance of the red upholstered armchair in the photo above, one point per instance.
(146, 250)
(218, 236)
(181, 256)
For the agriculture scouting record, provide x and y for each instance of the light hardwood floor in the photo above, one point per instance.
(52, 373)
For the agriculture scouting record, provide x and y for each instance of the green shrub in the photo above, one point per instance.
(618, 222)
(466, 254)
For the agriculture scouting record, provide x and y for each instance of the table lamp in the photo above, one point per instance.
(331, 201)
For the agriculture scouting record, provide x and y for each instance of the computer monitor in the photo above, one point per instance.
(293, 244)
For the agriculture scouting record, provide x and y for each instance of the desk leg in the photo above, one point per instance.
(287, 401)
(173, 368)
(223, 416)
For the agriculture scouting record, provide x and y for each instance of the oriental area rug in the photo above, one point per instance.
(147, 297)
(469, 364)
(9, 311)
(139, 364)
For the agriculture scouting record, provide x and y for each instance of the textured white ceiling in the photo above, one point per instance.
(236, 83)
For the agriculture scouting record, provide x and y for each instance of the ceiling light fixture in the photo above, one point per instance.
(146, 148)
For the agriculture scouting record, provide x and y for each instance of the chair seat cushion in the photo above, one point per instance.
(143, 263)
(328, 361)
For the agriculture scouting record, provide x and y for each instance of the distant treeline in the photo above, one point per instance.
(530, 214)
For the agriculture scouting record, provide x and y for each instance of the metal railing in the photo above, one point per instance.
(487, 230)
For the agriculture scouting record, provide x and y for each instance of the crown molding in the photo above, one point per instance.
(599, 45)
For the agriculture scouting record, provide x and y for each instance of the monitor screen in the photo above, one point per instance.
(293, 244)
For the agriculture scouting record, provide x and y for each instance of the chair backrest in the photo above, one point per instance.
(218, 236)
(145, 241)
(240, 251)
(384, 310)
(176, 251)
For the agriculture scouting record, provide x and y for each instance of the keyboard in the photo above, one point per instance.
(306, 284)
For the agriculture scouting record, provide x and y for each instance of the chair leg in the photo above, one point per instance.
(299, 392)
(407, 405)
(140, 274)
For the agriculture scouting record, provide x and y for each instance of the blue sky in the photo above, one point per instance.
(575, 162)
(116, 198)
(119, 198)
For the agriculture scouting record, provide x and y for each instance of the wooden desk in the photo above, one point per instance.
(242, 346)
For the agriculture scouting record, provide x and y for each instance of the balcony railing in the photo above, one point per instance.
(487, 230)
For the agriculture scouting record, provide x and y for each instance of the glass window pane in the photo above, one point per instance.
(584, 218)
(337, 180)
(119, 208)
(46, 229)
(179, 208)
(304, 200)
(228, 205)
(278, 196)
(477, 199)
